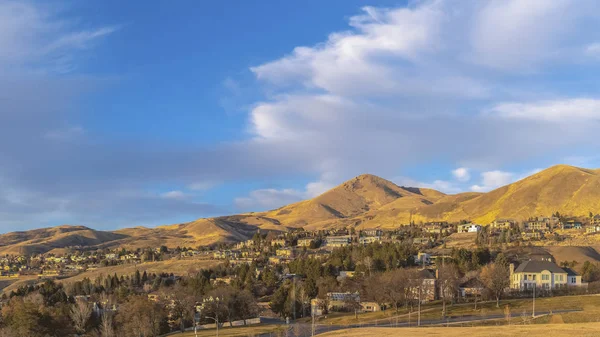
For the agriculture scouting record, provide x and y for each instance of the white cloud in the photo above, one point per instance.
(271, 198)
(174, 195)
(461, 174)
(35, 36)
(593, 49)
(492, 180)
(515, 34)
(569, 110)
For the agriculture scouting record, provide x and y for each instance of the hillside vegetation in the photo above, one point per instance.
(366, 201)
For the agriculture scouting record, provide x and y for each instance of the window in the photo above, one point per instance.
(545, 277)
(534, 277)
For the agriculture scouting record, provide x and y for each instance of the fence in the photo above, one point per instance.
(250, 321)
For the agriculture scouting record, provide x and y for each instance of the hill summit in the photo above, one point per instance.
(366, 201)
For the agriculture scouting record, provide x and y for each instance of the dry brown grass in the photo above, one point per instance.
(589, 329)
(237, 331)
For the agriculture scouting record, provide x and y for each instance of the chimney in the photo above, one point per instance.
(511, 268)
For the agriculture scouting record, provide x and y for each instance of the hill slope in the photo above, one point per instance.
(567, 189)
(366, 201)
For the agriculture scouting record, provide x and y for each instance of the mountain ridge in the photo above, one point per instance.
(365, 201)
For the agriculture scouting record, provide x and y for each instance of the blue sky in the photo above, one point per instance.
(114, 114)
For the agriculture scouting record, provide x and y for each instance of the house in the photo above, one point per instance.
(365, 240)
(422, 241)
(423, 259)
(245, 244)
(571, 224)
(226, 254)
(334, 302)
(286, 252)
(345, 274)
(338, 241)
(434, 227)
(596, 220)
(371, 307)
(592, 229)
(542, 274)
(573, 279)
(427, 286)
(532, 235)
(501, 224)
(371, 232)
(539, 224)
(279, 242)
(306, 242)
(471, 287)
(469, 228)
(339, 301)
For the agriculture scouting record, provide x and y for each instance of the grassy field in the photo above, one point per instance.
(589, 329)
(237, 331)
(590, 304)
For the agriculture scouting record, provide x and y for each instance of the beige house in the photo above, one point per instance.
(542, 275)
(503, 224)
(305, 242)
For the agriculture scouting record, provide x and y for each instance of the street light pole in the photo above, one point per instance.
(216, 319)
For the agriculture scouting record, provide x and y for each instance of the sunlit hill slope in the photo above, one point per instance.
(366, 201)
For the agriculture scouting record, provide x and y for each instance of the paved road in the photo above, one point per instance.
(305, 329)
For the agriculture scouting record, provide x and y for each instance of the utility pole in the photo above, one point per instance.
(294, 296)
(419, 315)
(533, 312)
(313, 322)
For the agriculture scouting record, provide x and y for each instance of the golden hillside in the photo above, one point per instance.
(45, 239)
(366, 201)
(354, 197)
(566, 189)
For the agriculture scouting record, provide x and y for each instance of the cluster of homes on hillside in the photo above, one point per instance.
(285, 247)
(53, 265)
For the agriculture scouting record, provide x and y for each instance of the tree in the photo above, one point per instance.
(182, 305)
(496, 276)
(106, 326)
(80, 314)
(24, 319)
(448, 283)
(140, 317)
(304, 300)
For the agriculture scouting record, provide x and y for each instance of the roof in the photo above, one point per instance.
(427, 274)
(570, 272)
(472, 283)
(538, 266)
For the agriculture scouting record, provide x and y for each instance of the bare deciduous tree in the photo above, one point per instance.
(496, 276)
(80, 313)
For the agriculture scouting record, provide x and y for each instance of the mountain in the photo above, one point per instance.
(566, 189)
(366, 201)
(354, 197)
(46, 239)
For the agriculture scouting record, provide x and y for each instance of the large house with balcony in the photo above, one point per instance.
(543, 274)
